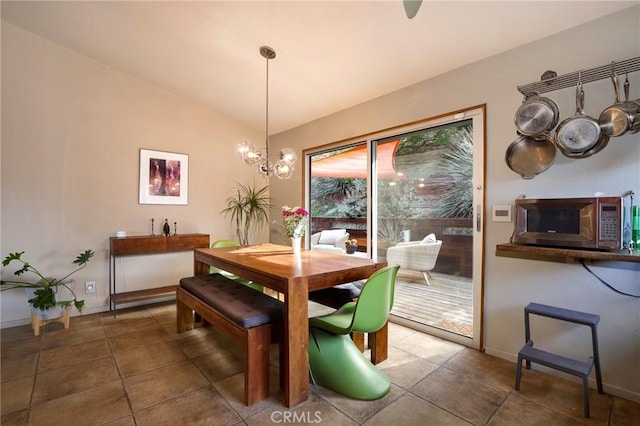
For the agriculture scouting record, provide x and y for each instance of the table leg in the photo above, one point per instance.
(296, 341)
(378, 343)
(200, 268)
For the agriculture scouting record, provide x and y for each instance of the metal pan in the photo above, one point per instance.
(537, 115)
(618, 118)
(579, 134)
(529, 157)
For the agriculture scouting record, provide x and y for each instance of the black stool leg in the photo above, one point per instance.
(518, 372)
(585, 396)
(596, 357)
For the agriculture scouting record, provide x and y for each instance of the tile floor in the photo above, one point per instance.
(135, 370)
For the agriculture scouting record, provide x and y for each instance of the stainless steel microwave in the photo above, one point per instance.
(582, 223)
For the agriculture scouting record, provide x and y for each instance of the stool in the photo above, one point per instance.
(571, 366)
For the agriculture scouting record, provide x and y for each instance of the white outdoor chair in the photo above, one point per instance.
(330, 240)
(416, 255)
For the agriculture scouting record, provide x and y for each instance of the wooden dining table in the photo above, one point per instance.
(293, 275)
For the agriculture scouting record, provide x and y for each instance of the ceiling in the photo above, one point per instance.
(330, 54)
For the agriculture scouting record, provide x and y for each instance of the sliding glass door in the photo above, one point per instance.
(413, 196)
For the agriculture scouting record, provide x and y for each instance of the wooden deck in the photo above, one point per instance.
(446, 304)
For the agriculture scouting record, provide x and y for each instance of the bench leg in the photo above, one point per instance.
(184, 316)
(256, 369)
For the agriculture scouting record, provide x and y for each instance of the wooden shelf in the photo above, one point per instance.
(145, 245)
(150, 293)
(563, 255)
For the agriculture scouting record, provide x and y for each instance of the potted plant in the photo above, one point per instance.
(44, 291)
(249, 210)
(352, 246)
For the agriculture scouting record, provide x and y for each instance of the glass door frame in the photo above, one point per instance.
(478, 116)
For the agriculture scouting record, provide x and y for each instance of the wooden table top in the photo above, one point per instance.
(279, 262)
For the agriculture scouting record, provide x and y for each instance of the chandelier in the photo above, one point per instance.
(283, 167)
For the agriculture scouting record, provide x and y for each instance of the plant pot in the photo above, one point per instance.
(46, 314)
(351, 249)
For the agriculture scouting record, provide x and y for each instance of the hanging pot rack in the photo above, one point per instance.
(587, 76)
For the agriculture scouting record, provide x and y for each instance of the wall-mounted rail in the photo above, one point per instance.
(588, 75)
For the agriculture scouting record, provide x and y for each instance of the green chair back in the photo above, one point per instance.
(214, 270)
(225, 243)
(375, 301)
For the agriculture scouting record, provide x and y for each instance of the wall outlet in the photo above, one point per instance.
(89, 286)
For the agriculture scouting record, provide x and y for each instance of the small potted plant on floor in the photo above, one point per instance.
(43, 293)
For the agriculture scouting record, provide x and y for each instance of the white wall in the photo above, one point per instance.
(509, 284)
(71, 133)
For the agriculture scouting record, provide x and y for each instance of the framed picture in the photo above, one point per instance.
(164, 177)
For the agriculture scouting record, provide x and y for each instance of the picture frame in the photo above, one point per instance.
(164, 178)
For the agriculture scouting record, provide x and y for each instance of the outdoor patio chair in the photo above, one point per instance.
(330, 240)
(416, 255)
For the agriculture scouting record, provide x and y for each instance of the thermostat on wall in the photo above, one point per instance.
(501, 213)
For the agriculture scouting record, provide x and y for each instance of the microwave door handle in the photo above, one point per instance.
(478, 221)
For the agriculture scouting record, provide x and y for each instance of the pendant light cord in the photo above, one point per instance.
(267, 119)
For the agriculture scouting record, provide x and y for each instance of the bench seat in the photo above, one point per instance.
(244, 314)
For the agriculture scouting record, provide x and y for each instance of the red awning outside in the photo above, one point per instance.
(353, 163)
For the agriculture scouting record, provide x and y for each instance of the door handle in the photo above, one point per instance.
(478, 221)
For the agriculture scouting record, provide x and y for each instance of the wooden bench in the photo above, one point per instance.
(244, 314)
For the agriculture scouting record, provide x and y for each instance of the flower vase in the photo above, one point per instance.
(295, 244)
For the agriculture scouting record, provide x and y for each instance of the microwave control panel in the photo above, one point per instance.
(609, 222)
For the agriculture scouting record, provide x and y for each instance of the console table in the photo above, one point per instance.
(147, 244)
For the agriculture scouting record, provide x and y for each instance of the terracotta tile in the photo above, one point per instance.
(562, 395)
(99, 404)
(143, 337)
(147, 357)
(15, 395)
(71, 336)
(445, 387)
(315, 410)
(410, 410)
(517, 410)
(85, 320)
(17, 333)
(53, 384)
(161, 384)
(429, 347)
(219, 364)
(18, 367)
(123, 421)
(356, 409)
(200, 340)
(127, 313)
(17, 418)
(66, 356)
(129, 325)
(624, 413)
(203, 407)
(21, 347)
(405, 369)
(489, 369)
(232, 389)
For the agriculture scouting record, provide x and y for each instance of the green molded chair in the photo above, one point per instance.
(214, 270)
(334, 360)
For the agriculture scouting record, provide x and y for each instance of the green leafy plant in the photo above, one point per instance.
(249, 210)
(46, 287)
